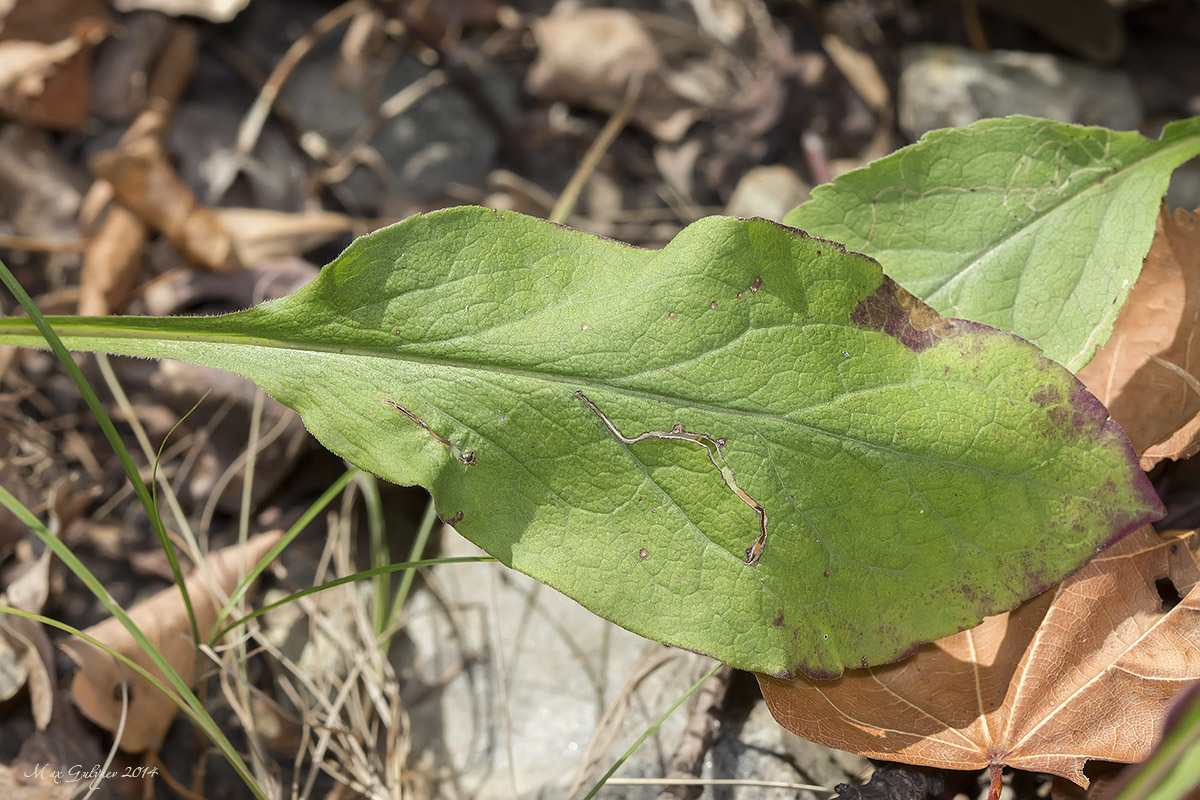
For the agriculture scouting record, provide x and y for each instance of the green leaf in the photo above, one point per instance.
(914, 473)
(1035, 227)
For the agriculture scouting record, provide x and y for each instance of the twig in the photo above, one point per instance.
(170, 779)
(974, 26)
(697, 739)
(995, 786)
(256, 117)
(605, 731)
(615, 124)
(467, 82)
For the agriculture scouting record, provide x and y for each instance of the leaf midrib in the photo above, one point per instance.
(932, 295)
(64, 328)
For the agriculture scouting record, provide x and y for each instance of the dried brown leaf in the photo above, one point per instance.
(39, 190)
(591, 57)
(144, 181)
(859, 70)
(1183, 443)
(26, 657)
(1159, 319)
(111, 263)
(179, 290)
(96, 688)
(1085, 671)
(45, 60)
(260, 234)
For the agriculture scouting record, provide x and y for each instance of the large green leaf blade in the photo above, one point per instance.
(916, 473)
(1035, 227)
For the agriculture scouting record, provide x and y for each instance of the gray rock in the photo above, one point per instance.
(943, 86)
(769, 192)
(563, 667)
(763, 751)
(542, 672)
(1184, 190)
(201, 138)
(439, 140)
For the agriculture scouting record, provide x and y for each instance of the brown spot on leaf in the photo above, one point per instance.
(454, 520)
(778, 621)
(643, 554)
(905, 318)
(757, 284)
(713, 305)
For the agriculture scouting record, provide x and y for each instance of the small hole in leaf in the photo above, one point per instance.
(1167, 593)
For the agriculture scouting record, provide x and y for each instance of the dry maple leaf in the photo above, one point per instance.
(1150, 402)
(96, 688)
(1084, 671)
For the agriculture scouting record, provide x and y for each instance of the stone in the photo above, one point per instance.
(540, 673)
(439, 139)
(943, 86)
(769, 192)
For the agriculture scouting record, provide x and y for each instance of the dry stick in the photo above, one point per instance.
(256, 117)
(312, 143)
(606, 730)
(502, 681)
(615, 124)
(117, 735)
(816, 157)
(394, 106)
(467, 82)
(1188, 377)
(974, 26)
(121, 233)
(698, 737)
(171, 780)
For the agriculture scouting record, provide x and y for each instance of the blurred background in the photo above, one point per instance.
(200, 156)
